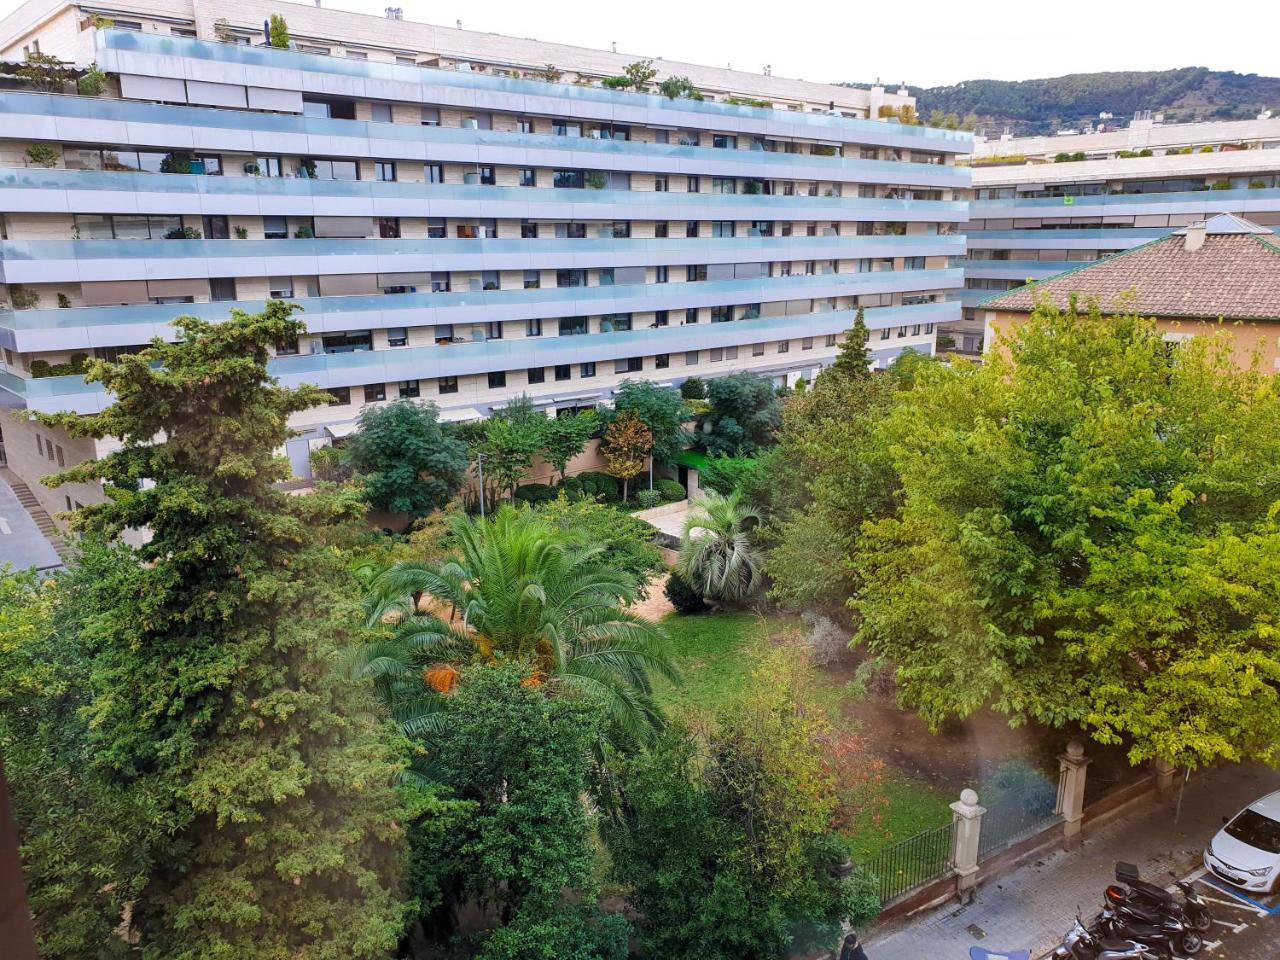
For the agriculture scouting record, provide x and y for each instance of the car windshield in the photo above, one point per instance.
(1256, 830)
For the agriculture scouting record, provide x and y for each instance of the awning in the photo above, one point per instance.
(458, 414)
(340, 430)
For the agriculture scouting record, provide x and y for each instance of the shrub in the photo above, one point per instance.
(671, 490)
(183, 233)
(535, 493)
(93, 82)
(693, 389)
(648, 499)
(330, 464)
(596, 484)
(616, 83)
(571, 487)
(726, 474)
(63, 301)
(278, 32)
(682, 596)
(24, 299)
(42, 155)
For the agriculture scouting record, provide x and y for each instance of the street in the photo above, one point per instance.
(1245, 927)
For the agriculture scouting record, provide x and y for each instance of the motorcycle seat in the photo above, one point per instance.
(1118, 946)
(1152, 891)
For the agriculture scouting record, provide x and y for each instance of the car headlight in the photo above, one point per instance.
(1259, 873)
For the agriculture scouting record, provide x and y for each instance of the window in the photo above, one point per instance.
(915, 330)
(629, 365)
(525, 125)
(572, 179)
(275, 228)
(691, 358)
(662, 274)
(691, 315)
(341, 395)
(431, 116)
(913, 263)
(717, 354)
(661, 230)
(358, 55)
(389, 228)
(724, 141)
(693, 185)
(309, 168)
(489, 280)
(621, 229)
(405, 61)
(537, 374)
(444, 332)
(433, 172)
(722, 228)
(447, 385)
(61, 461)
(528, 177)
(806, 343)
(379, 112)
(587, 370)
(532, 280)
(662, 318)
(222, 288)
(831, 340)
(884, 334)
(563, 372)
(397, 336)
(487, 176)
(573, 326)
(497, 379)
(528, 230)
(615, 321)
(571, 278)
(662, 361)
(216, 228)
(691, 228)
(571, 231)
(724, 185)
(384, 170)
(287, 348)
(375, 392)
(533, 328)
(39, 444)
(440, 281)
(493, 330)
(266, 167)
(695, 272)
(437, 229)
(784, 346)
(661, 184)
(566, 128)
(280, 288)
(757, 349)
(347, 341)
(902, 332)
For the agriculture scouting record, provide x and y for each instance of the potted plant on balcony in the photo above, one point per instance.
(24, 299)
(251, 169)
(93, 82)
(596, 180)
(42, 155)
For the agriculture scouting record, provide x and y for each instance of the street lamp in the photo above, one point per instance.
(480, 467)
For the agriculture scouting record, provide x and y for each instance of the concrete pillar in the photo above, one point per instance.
(1072, 766)
(1164, 772)
(966, 819)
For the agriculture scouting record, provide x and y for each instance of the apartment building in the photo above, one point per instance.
(1044, 204)
(462, 236)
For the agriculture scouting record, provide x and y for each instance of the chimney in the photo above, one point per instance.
(1195, 236)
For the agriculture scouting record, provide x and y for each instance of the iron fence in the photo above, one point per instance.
(1016, 818)
(912, 862)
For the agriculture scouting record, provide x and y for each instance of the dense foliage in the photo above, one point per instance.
(625, 448)
(726, 838)
(410, 462)
(202, 663)
(1088, 533)
(627, 542)
(661, 409)
(744, 415)
(564, 437)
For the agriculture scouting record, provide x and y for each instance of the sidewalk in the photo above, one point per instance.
(1032, 907)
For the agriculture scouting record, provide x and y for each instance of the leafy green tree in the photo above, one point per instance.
(564, 438)
(717, 556)
(744, 416)
(727, 841)
(853, 360)
(210, 691)
(512, 438)
(627, 542)
(515, 588)
(661, 409)
(520, 762)
(627, 441)
(278, 32)
(640, 74)
(694, 388)
(1088, 534)
(410, 461)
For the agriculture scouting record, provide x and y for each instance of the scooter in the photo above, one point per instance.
(1082, 944)
(1132, 910)
(1166, 936)
(1195, 911)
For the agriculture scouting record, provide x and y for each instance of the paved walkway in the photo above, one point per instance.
(1033, 907)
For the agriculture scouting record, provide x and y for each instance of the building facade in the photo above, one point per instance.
(457, 230)
(1041, 205)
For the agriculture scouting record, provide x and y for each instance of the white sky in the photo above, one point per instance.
(924, 42)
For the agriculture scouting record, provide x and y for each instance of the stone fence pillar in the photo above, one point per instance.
(966, 817)
(1072, 766)
(1164, 774)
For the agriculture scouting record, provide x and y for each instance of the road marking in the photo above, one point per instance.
(1236, 927)
(4, 527)
(1258, 908)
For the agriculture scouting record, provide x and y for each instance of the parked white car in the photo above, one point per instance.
(1246, 852)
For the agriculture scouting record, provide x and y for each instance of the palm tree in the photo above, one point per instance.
(717, 557)
(514, 588)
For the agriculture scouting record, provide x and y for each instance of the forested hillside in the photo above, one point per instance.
(1041, 106)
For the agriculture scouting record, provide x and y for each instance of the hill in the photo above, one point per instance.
(1043, 106)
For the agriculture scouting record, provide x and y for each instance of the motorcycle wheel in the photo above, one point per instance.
(1203, 921)
(1191, 943)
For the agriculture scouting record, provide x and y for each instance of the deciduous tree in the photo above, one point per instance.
(744, 417)
(411, 462)
(661, 409)
(627, 441)
(563, 438)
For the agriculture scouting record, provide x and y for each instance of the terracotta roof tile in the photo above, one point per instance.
(1233, 276)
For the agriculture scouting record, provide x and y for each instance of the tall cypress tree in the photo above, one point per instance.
(854, 358)
(211, 683)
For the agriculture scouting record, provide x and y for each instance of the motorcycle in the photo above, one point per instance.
(1082, 944)
(1193, 908)
(1167, 935)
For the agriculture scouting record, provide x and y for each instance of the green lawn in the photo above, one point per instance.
(714, 653)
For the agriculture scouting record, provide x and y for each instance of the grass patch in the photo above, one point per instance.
(909, 807)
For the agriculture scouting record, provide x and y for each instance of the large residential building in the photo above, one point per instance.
(1220, 275)
(1043, 204)
(464, 217)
